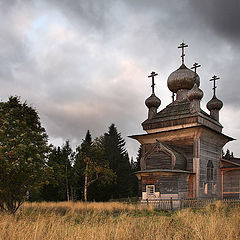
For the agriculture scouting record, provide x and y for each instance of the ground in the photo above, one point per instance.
(118, 221)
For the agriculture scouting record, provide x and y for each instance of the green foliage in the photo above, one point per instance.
(91, 166)
(136, 166)
(117, 156)
(23, 148)
(60, 182)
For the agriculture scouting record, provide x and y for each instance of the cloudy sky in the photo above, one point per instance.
(83, 64)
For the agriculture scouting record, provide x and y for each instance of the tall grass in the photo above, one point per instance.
(118, 221)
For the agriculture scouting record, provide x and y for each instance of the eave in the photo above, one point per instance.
(156, 134)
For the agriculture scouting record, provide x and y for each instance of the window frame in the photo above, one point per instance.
(150, 189)
(210, 171)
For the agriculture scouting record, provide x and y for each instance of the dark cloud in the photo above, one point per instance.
(221, 16)
(84, 64)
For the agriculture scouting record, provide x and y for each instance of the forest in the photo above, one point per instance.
(97, 170)
(32, 169)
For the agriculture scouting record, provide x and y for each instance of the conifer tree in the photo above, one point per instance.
(117, 156)
(91, 167)
(135, 166)
(227, 155)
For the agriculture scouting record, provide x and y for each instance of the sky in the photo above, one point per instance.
(84, 64)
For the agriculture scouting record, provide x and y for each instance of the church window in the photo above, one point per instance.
(210, 171)
(150, 189)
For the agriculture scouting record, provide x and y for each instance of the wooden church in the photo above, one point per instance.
(182, 147)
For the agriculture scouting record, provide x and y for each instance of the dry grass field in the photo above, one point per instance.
(118, 221)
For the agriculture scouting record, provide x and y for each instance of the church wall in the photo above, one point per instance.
(166, 185)
(209, 150)
(231, 186)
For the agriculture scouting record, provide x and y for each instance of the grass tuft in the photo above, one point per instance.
(118, 221)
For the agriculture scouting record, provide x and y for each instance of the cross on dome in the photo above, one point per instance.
(195, 66)
(182, 46)
(152, 75)
(214, 79)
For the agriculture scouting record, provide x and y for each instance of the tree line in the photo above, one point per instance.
(97, 170)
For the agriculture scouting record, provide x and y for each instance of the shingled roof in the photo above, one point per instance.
(179, 113)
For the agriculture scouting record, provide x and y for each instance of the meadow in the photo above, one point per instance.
(118, 221)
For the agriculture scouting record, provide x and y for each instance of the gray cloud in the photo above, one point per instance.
(84, 64)
(221, 16)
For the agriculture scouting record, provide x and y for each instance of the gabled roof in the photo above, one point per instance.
(178, 161)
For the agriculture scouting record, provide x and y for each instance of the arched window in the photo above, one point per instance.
(210, 171)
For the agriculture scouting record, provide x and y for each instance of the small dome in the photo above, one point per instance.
(182, 78)
(195, 93)
(153, 101)
(214, 104)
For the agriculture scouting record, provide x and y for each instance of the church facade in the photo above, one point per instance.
(182, 147)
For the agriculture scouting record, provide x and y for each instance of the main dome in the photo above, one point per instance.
(182, 78)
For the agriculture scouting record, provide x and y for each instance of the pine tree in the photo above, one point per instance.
(135, 166)
(117, 156)
(227, 155)
(91, 167)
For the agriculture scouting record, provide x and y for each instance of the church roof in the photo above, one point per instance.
(155, 134)
(232, 161)
(179, 113)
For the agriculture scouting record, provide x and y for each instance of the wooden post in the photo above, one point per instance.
(222, 182)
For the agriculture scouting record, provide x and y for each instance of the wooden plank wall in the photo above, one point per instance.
(209, 150)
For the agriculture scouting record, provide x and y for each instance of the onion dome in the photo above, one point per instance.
(214, 104)
(182, 78)
(195, 93)
(153, 101)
